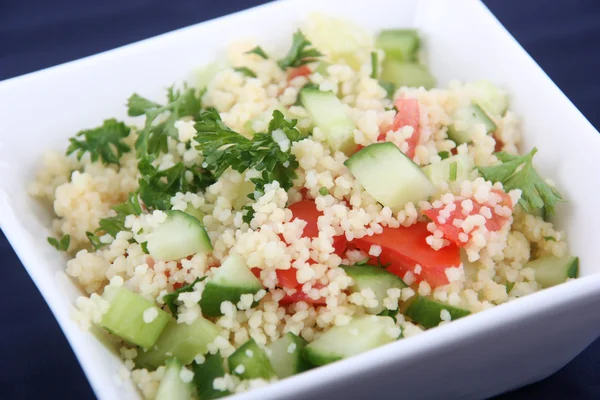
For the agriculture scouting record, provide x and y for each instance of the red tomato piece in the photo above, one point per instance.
(452, 233)
(301, 296)
(303, 70)
(177, 285)
(307, 211)
(408, 115)
(287, 277)
(404, 247)
(256, 272)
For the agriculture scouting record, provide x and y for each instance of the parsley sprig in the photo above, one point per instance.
(223, 148)
(156, 187)
(61, 244)
(301, 53)
(115, 224)
(517, 172)
(170, 298)
(104, 142)
(153, 138)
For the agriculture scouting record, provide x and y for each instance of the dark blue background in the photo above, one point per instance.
(35, 360)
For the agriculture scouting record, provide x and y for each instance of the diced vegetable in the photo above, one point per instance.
(375, 278)
(287, 355)
(184, 341)
(251, 362)
(551, 270)
(205, 374)
(427, 312)
(389, 175)
(228, 283)
(172, 387)
(404, 247)
(490, 97)
(126, 317)
(439, 172)
(179, 236)
(360, 335)
(206, 74)
(408, 114)
(465, 119)
(406, 74)
(329, 114)
(399, 44)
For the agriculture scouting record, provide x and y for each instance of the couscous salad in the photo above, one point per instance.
(295, 207)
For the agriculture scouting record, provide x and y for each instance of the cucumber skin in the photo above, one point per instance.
(205, 374)
(479, 116)
(214, 294)
(256, 367)
(375, 275)
(573, 271)
(406, 74)
(551, 271)
(402, 49)
(426, 312)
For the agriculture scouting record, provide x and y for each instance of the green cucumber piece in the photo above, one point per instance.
(205, 374)
(228, 283)
(179, 340)
(207, 73)
(171, 386)
(551, 270)
(426, 312)
(360, 335)
(194, 212)
(125, 317)
(490, 97)
(469, 116)
(439, 172)
(389, 176)
(178, 236)
(375, 278)
(287, 355)
(329, 114)
(406, 74)
(249, 361)
(399, 44)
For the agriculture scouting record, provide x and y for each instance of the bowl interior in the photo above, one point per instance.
(464, 42)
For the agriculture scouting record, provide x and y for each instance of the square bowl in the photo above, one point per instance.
(490, 352)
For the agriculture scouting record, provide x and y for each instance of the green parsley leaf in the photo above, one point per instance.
(444, 154)
(170, 298)
(509, 287)
(374, 64)
(249, 215)
(61, 244)
(104, 142)
(301, 53)
(95, 240)
(550, 238)
(453, 171)
(389, 88)
(153, 138)
(223, 148)
(389, 313)
(323, 191)
(259, 52)
(158, 187)
(144, 246)
(246, 71)
(536, 193)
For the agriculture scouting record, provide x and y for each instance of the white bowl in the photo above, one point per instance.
(506, 347)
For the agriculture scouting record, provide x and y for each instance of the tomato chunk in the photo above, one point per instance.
(307, 210)
(303, 70)
(404, 247)
(453, 233)
(301, 296)
(287, 277)
(408, 115)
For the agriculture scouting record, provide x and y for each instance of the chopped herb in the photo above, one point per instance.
(323, 191)
(509, 287)
(389, 313)
(517, 172)
(374, 64)
(550, 238)
(246, 71)
(453, 171)
(104, 142)
(301, 53)
(249, 215)
(157, 187)
(259, 52)
(224, 148)
(115, 224)
(144, 246)
(170, 298)
(444, 154)
(61, 244)
(389, 88)
(153, 138)
(95, 241)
